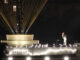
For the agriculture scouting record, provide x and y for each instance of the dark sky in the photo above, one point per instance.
(58, 16)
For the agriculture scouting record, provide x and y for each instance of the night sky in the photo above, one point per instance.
(56, 17)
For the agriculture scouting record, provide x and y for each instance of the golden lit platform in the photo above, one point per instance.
(20, 40)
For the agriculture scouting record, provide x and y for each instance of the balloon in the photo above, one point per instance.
(19, 15)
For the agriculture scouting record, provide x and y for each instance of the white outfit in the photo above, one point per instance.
(65, 40)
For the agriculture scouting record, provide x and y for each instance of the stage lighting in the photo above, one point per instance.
(66, 58)
(47, 58)
(10, 58)
(28, 58)
(14, 8)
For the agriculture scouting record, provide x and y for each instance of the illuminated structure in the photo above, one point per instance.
(18, 43)
(19, 15)
(24, 45)
(20, 40)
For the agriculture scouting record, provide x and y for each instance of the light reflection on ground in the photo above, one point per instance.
(43, 58)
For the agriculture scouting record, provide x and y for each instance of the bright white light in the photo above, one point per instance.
(70, 45)
(10, 58)
(47, 58)
(14, 8)
(59, 50)
(39, 45)
(46, 45)
(74, 50)
(17, 51)
(10, 53)
(66, 58)
(28, 58)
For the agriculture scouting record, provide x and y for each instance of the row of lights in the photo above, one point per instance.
(27, 58)
(35, 46)
(54, 51)
(42, 46)
(45, 58)
(19, 51)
